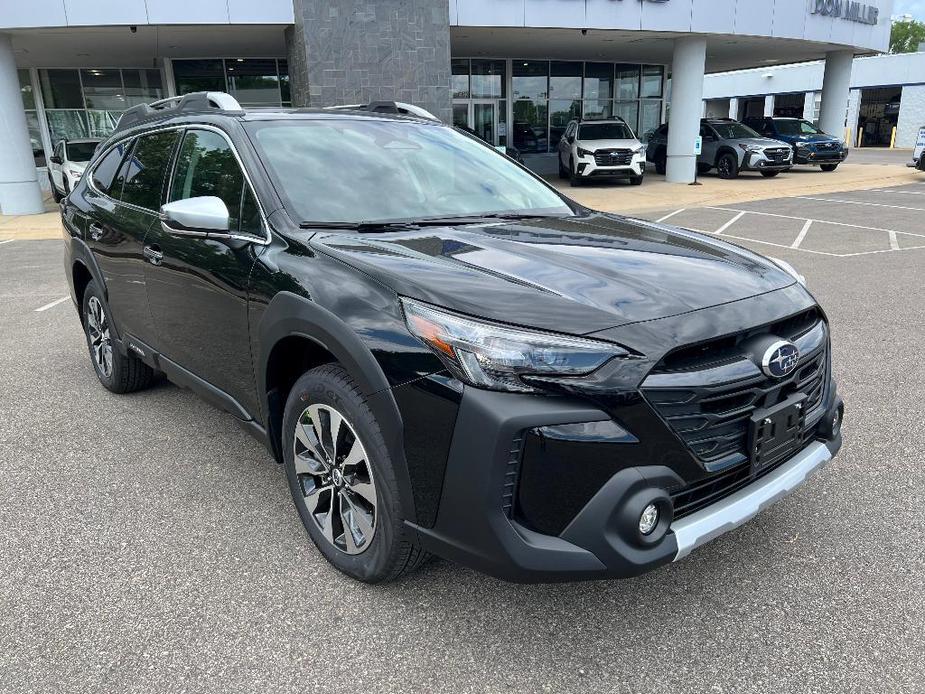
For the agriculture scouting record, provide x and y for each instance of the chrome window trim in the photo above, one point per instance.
(262, 240)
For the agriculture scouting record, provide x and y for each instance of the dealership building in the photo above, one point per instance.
(886, 104)
(516, 71)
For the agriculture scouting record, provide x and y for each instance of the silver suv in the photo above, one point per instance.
(730, 147)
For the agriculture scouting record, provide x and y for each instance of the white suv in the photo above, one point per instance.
(592, 149)
(67, 165)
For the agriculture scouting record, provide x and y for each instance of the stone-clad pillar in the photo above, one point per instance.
(356, 51)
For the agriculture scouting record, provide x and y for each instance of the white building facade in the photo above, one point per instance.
(514, 70)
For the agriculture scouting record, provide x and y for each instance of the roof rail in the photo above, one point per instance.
(387, 107)
(194, 102)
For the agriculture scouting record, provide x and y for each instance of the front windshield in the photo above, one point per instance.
(604, 131)
(733, 131)
(80, 151)
(797, 127)
(352, 171)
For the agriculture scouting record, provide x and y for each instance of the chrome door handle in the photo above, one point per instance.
(153, 254)
(96, 231)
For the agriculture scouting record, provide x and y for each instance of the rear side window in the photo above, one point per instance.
(145, 170)
(206, 165)
(105, 171)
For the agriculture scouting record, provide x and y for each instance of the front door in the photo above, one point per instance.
(197, 285)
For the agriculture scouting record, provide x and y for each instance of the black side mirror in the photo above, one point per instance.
(55, 159)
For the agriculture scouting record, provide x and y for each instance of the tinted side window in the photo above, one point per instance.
(105, 171)
(206, 165)
(146, 169)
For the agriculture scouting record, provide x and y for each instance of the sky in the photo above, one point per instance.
(914, 7)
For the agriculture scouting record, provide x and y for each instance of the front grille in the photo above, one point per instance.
(707, 394)
(778, 154)
(613, 157)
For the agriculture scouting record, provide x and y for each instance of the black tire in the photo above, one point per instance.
(56, 196)
(636, 180)
(389, 553)
(661, 162)
(573, 178)
(126, 372)
(769, 174)
(727, 166)
(563, 173)
(828, 168)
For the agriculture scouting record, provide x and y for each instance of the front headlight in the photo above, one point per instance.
(640, 150)
(751, 148)
(789, 269)
(493, 356)
(584, 152)
(802, 145)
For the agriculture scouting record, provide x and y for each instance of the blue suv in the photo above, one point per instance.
(810, 145)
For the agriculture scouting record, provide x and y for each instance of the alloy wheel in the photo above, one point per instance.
(335, 478)
(98, 333)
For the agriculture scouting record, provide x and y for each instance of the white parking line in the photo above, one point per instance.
(669, 216)
(7, 241)
(52, 304)
(802, 234)
(728, 224)
(817, 221)
(898, 192)
(858, 202)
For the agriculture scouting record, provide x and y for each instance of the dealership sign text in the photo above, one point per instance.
(847, 9)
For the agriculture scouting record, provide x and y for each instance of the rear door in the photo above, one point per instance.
(117, 249)
(710, 145)
(197, 289)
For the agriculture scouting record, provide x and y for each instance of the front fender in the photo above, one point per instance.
(289, 315)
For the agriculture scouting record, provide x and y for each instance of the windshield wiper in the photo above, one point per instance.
(362, 227)
(412, 224)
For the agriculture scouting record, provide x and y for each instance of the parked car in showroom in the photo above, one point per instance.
(810, 145)
(446, 355)
(67, 164)
(729, 147)
(601, 149)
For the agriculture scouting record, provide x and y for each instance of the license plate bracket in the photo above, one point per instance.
(776, 433)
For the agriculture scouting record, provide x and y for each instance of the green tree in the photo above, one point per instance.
(906, 36)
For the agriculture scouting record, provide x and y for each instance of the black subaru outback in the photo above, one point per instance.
(448, 356)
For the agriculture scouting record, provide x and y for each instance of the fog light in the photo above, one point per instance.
(649, 519)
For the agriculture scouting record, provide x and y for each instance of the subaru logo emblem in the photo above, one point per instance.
(780, 359)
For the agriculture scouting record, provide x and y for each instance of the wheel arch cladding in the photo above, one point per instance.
(292, 323)
(81, 277)
(725, 149)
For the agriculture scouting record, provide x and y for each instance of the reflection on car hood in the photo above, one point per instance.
(594, 145)
(761, 142)
(575, 275)
(820, 137)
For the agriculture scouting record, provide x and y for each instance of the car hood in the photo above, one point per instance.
(78, 165)
(575, 275)
(810, 138)
(761, 142)
(594, 145)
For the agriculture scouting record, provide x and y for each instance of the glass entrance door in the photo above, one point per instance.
(481, 117)
(485, 120)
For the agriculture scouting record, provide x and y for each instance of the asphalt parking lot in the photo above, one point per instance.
(147, 544)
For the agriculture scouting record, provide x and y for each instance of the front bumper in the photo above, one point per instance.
(586, 167)
(474, 525)
(816, 158)
(757, 161)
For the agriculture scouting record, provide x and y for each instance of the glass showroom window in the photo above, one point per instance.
(565, 92)
(530, 85)
(32, 117)
(252, 81)
(89, 102)
(460, 84)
